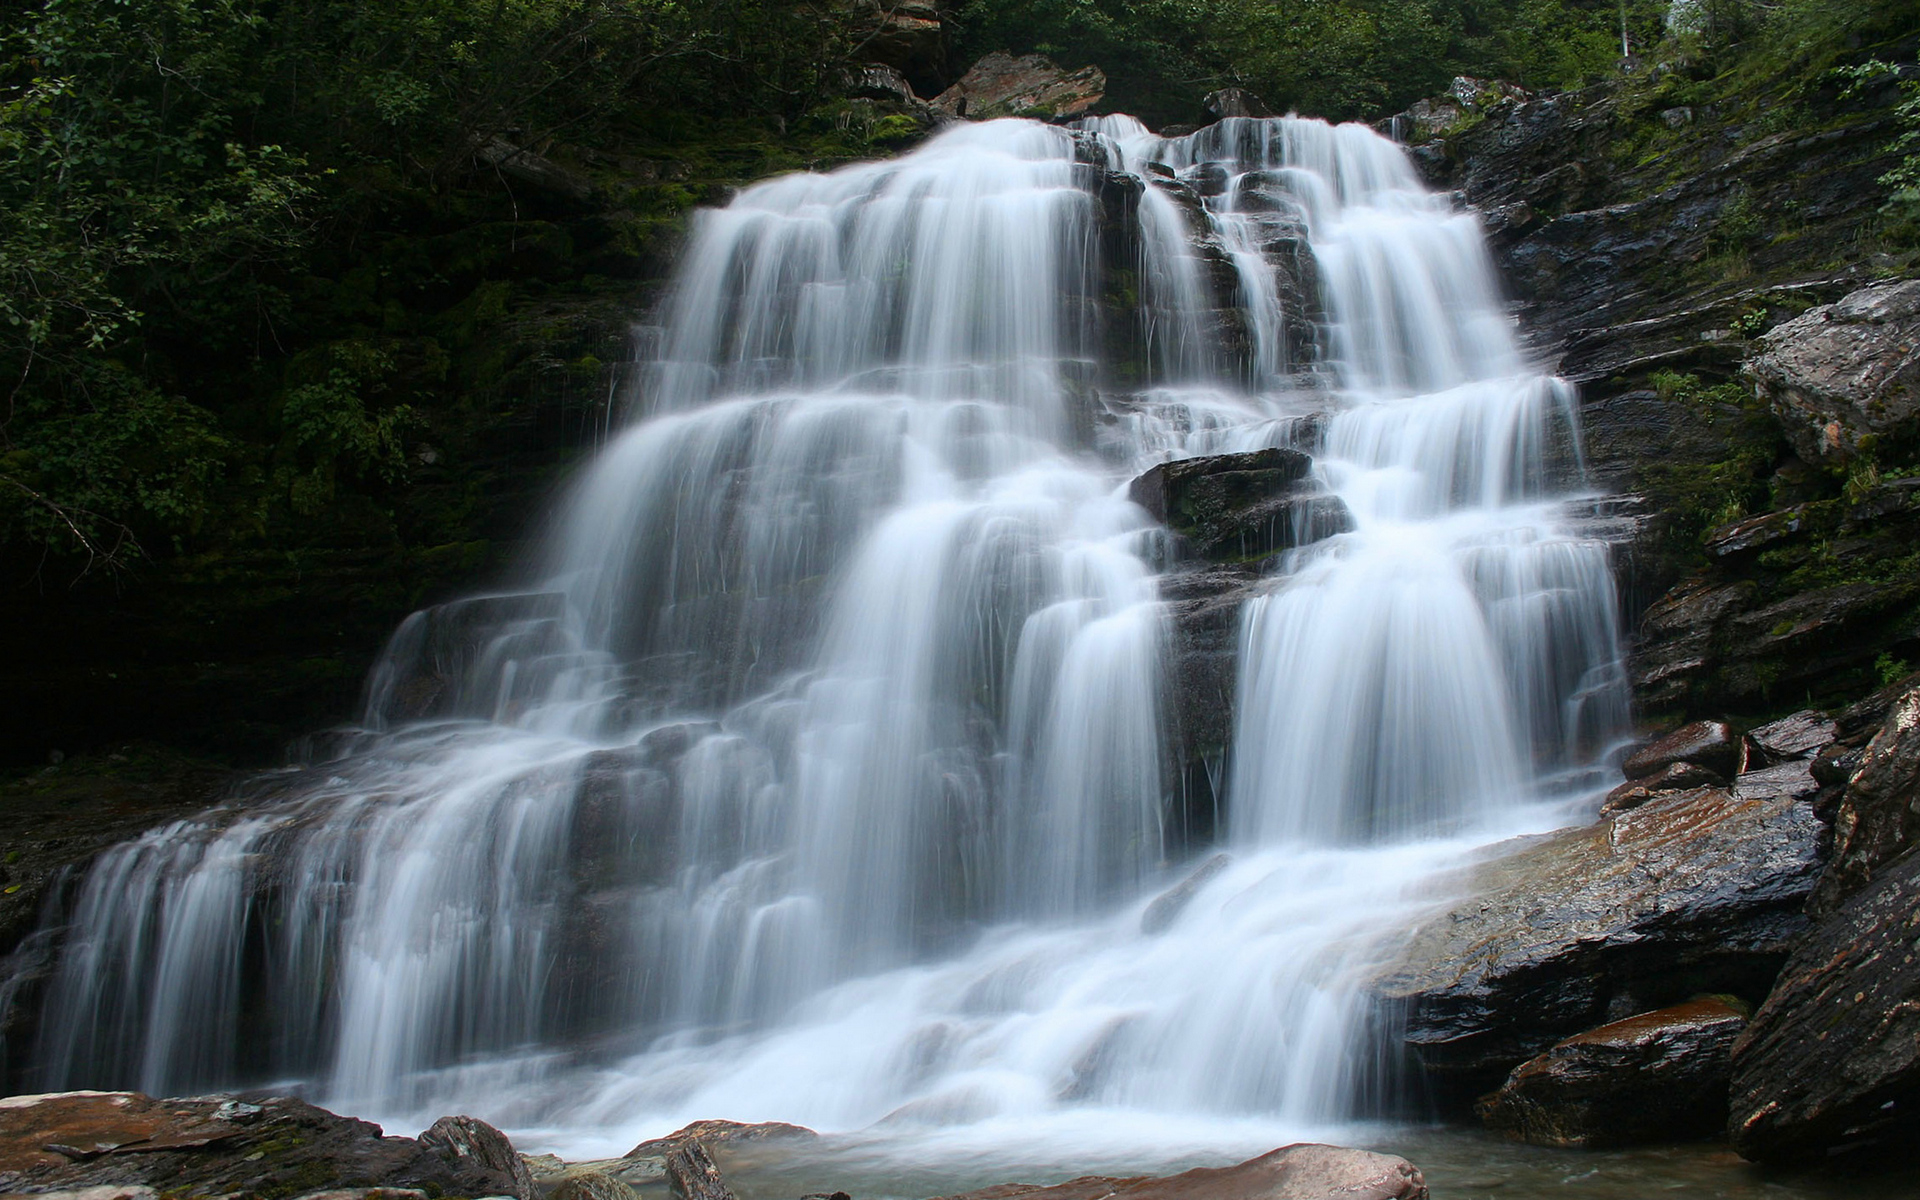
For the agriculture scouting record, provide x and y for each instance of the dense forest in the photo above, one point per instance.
(274, 273)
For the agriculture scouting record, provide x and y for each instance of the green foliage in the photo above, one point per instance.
(1890, 669)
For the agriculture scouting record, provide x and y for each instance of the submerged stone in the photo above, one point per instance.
(1658, 1076)
(1306, 1171)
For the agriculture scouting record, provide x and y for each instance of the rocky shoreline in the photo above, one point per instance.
(126, 1146)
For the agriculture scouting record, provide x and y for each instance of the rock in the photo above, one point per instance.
(1878, 816)
(1000, 85)
(426, 669)
(1832, 1059)
(907, 35)
(215, 1145)
(1307, 1171)
(524, 166)
(877, 81)
(1788, 779)
(590, 1185)
(1801, 735)
(1659, 1076)
(691, 1174)
(1235, 102)
(1694, 892)
(1167, 907)
(1845, 375)
(1674, 777)
(729, 1134)
(1231, 507)
(1710, 744)
(469, 1146)
(378, 1193)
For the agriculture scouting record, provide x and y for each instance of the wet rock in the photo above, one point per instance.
(727, 1134)
(1674, 777)
(1167, 907)
(471, 1147)
(590, 1185)
(1232, 507)
(1878, 816)
(1788, 779)
(1832, 1059)
(906, 35)
(1001, 85)
(691, 1174)
(877, 81)
(431, 657)
(1800, 735)
(1694, 892)
(1235, 102)
(1307, 1171)
(1709, 744)
(378, 1193)
(1659, 1076)
(1846, 375)
(215, 1145)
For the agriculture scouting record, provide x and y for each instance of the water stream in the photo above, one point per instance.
(823, 771)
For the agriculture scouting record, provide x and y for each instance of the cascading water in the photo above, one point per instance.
(824, 776)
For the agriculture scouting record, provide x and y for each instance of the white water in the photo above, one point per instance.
(824, 775)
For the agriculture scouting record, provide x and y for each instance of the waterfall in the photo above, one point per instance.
(824, 774)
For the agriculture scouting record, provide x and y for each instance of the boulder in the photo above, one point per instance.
(906, 35)
(468, 1146)
(590, 1185)
(727, 1134)
(1001, 85)
(1674, 777)
(1793, 779)
(1694, 892)
(1832, 1059)
(1878, 816)
(692, 1175)
(1845, 375)
(1710, 744)
(1801, 735)
(1240, 507)
(1235, 102)
(1659, 1076)
(1307, 1171)
(216, 1145)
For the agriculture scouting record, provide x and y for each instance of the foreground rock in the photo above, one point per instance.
(1308, 1171)
(1695, 892)
(1001, 85)
(1846, 376)
(213, 1146)
(1657, 1077)
(1236, 507)
(1832, 1059)
(1878, 816)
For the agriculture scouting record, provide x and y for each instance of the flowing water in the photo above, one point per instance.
(827, 772)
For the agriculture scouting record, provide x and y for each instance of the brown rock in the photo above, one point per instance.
(1801, 735)
(467, 1145)
(722, 1133)
(691, 1174)
(1659, 1076)
(214, 1146)
(1308, 1171)
(1000, 85)
(1710, 744)
(1674, 777)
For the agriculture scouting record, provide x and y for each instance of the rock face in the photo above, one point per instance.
(1878, 817)
(1659, 1076)
(1308, 1171)
(1694, 892)
(906, 35)
(1832, 1058)
(210, 1146)
(1001, 85)
(1846, 375)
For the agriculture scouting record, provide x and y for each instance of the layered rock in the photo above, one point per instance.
(1308, 1171)
(1032, 85)
(1832, 1059)
(1694, 892)
(1878, 815)
(1845, 377)
(210, 1146)
(1658, 1076)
